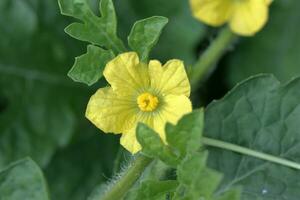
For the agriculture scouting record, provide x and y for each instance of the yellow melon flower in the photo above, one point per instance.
(152, 94)
(245, 17)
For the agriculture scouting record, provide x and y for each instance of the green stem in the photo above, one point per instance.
(121, 187)
(249, 152)
(117, 161)
(210, 57)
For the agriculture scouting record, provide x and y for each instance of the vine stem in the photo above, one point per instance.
(117, 161)
(134, 171)
(249, 152)
(211, 55)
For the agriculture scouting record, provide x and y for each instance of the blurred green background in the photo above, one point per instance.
(42, 110)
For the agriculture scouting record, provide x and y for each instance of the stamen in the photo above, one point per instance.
(147, 102)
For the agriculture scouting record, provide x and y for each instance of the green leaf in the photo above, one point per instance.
(40, 108)
(32, 122)
(98, 192)
(96, 30)
(262, 115)
(145, 34)
(38, 119)
(196, 180)
(232, 194)
(88, 68)
(186, 135)
(15, 12)
(23, 180)
(173, 43)
(152, 190)
(181, 138)
(82, 166)
(153, 146)
(273, 50)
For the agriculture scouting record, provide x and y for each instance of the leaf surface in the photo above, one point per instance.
(82, 166)
(88, 68)
(23, 180)
(39, 106)
(196, 180)
(179, 38)
(145, 34)
(95, 30)
(185, 135)
(153, 190)
(263, 115)
(181, 138)
(153, 146)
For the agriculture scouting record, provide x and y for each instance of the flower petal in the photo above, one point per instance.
(129, 141)
(268, 2)
(249, 17)
(172, 110)
(125, 73)
(169, 79)
(111, 113)
(175, 107)
(212, 12)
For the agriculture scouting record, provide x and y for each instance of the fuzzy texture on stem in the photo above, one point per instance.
(211, 56)
(121, 187)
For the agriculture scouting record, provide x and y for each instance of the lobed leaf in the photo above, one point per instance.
(93, 29)
(232, 194)
(196, 180)
(153, 146)
(181, 138)
(186, 135)
(145, 34)
(88, 68)
(101, 31)
(179, 38)
(153, 190)
(262, 115)
(23, 180)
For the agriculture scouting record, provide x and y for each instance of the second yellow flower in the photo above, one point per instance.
(245, 17)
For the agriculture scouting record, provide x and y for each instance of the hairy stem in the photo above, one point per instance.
(210, 57)
(121, 187)
(249, 152)
(117, 161)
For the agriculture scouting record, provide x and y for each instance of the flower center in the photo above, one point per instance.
(147, 102)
